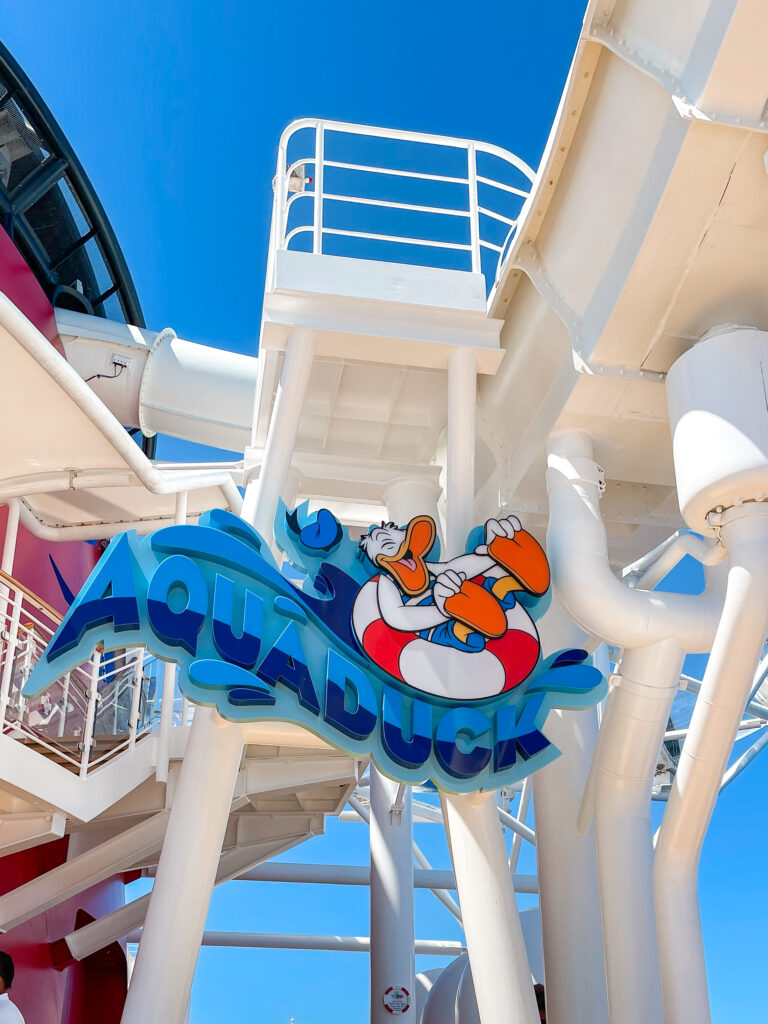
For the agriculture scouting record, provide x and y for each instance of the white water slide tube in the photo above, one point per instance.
(71, 382)
(656, 629)
(161, 383)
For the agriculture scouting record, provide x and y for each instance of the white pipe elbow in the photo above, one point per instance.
(581, 572)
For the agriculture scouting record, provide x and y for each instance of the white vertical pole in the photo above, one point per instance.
(6, 564)
(392, 923)
(474, 211)
(93, 696)
(631, 735)
(173, 928)
(64, 704)
(522, 814)
(138, 682)
(317, 234)
(391, 835)
(262, 495)
(567, 861)
(169, 679)
(497, 955)
(10, 655)
(725, 688)
(11, 535)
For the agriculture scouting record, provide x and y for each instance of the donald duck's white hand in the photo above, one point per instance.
(507, 527)
(447, 584)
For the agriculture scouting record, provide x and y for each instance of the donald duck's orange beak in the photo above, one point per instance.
(407, 564)
(524, 559)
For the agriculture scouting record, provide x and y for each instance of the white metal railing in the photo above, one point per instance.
(485, 200)
(90, 714)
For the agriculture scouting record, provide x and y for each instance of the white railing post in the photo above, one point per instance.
(9, 552)
(281, 196)
(93, 696)
(474, 212)
(10, 655)
(64, 703)
(317, 234)
(138, 681)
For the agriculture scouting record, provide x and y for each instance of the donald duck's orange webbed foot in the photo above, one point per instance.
(524, 559)
(478, 610)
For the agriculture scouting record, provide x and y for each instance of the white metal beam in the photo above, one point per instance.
(78, 874)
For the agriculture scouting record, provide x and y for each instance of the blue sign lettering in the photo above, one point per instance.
(432, 668)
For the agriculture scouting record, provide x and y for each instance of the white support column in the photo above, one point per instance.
(567, 869)
(6, 564)
(460, 436)
(392, 921)
(494, 936)
(170, 943)
(169, 680)
(407, 497)
(725, 689)
(567, 862)
(90, 715)
(391, 835)
(11, 535)
(262, 495)
(495, 944)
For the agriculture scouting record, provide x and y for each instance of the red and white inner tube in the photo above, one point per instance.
(445, 671)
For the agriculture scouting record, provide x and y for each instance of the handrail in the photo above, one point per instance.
(39, 603)
(106, 695)
(471, 210)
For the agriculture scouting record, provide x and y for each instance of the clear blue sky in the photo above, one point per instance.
(175, 110)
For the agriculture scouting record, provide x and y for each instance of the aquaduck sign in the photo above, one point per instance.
(431, 667)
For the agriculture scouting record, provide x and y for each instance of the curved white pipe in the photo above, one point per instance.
(41, 350)
(651, 569)
(657, 629)
(724, 692)
(581, 573)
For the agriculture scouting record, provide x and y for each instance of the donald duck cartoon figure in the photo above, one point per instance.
(456, 628)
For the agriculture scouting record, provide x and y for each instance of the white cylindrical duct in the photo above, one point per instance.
(632, 733)
(567, 865)
(162, 383)
(717, 412)
(199, 393)
(714, 725)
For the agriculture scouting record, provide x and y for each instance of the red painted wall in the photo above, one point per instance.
(32, 566)
(91, 992)
(22, 288)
